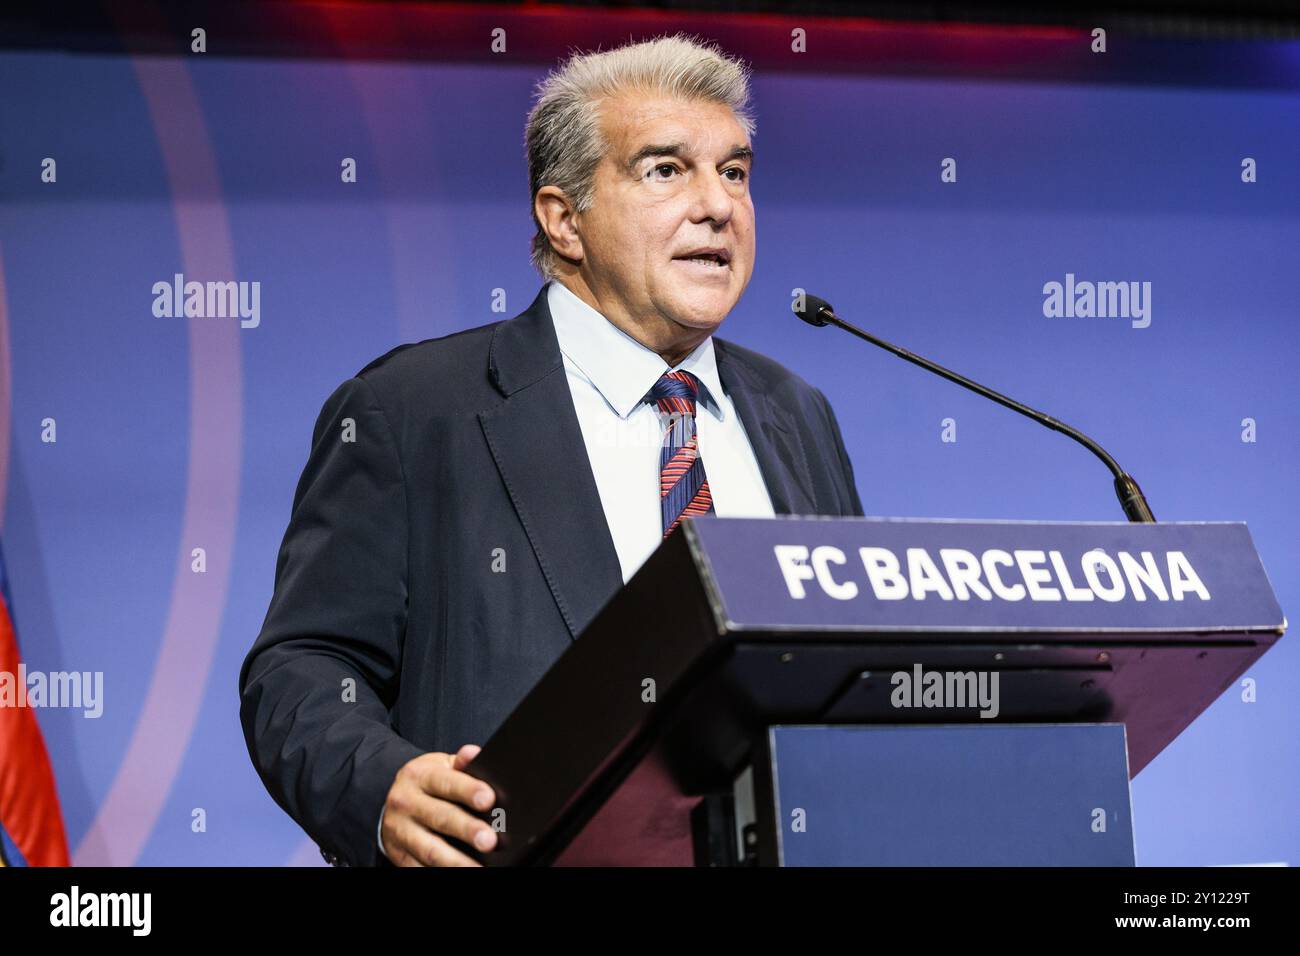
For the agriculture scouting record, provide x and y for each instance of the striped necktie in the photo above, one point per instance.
(683, 487)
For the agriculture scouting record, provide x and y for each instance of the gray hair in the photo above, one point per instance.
(563, 137)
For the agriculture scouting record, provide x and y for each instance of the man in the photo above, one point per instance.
(470, 502)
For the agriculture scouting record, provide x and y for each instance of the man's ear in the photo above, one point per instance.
(556, 213)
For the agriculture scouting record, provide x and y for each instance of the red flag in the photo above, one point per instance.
(31, 824)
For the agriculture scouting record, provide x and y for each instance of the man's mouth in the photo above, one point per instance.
(709, 258)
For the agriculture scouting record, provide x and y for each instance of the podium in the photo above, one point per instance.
(864, 691)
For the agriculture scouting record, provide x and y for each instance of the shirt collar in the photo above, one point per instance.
(621, 368)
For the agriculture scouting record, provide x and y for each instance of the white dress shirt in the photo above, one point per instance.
(609, 374)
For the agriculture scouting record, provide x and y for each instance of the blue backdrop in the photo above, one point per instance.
(175, 434)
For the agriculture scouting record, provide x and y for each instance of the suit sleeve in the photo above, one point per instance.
(854, 505)
(318, 684)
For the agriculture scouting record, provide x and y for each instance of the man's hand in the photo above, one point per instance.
(423, 802)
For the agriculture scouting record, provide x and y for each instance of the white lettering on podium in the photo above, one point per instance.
(791, 558)
(992, 558)
(887, 583)
(1183, 578)
(1093, 562)
(1143, 574)
(925, 576)
(1072, 593)
(964, 571)
(1036, 577)
(845, 591)
(961, 575)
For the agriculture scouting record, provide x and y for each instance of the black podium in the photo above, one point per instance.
(862, 691)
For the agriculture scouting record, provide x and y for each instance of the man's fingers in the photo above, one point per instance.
(427, 801)
(417, 846)
(442, 816)
(440, 780)
(463, 756)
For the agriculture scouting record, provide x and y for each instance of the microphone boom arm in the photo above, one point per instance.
(1130, 495)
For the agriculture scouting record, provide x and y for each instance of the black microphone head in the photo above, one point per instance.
(813, 309)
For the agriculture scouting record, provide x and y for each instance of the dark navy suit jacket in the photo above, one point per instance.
(390, 634)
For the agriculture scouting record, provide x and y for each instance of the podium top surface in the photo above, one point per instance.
(947, 575)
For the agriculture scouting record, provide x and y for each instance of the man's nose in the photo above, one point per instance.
(712, 199)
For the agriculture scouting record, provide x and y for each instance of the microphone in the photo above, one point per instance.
(817, 312)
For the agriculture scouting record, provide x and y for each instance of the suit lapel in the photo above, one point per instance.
(538, 447)
(537, 444)
(773, 434)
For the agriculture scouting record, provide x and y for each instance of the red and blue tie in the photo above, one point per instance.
(683, 487)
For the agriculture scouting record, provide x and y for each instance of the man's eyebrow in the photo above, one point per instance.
(654, 149)
(740, 152)
(677, 149)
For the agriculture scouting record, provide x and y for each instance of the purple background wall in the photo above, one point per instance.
(183, 433)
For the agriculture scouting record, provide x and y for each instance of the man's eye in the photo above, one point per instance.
(664, 166)
(744, 173)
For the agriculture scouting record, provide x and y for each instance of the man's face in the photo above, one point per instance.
(675, 180)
